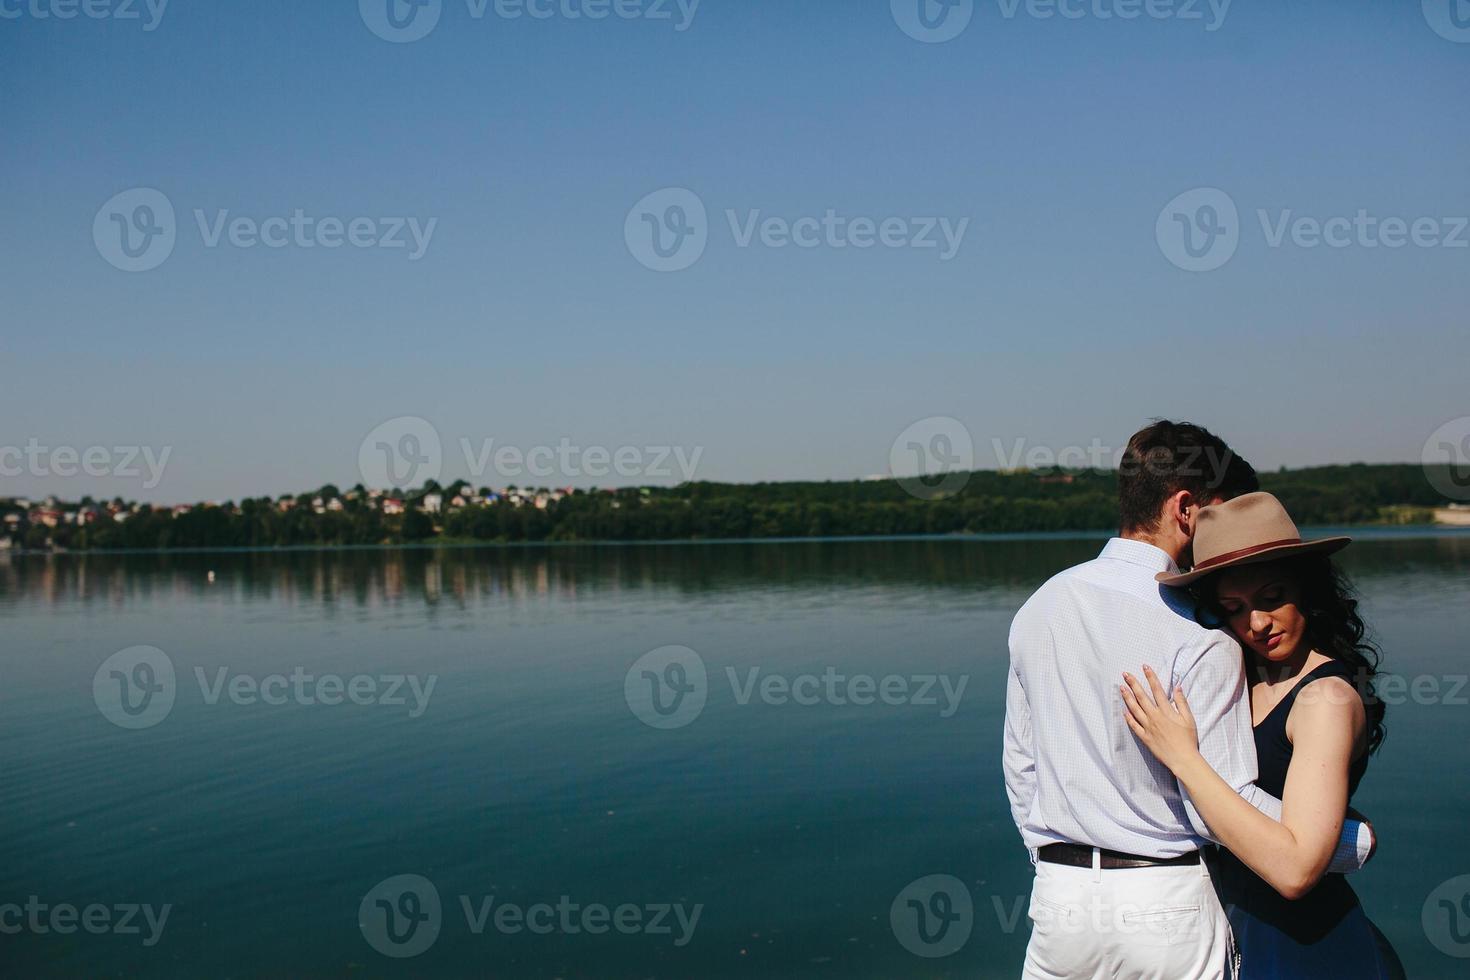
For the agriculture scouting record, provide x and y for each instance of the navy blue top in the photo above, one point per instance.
(1273, 749)
(1312, 918)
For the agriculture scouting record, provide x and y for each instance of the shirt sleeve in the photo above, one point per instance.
(1215, 684)
(1215, 676)
(1018, 757)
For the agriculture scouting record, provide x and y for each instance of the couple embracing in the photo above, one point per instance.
(1179, 743)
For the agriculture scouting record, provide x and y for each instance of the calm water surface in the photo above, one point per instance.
(525, 775)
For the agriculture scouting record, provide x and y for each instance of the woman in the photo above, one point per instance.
(1316, 721)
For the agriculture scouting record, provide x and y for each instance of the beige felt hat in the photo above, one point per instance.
(1253, 527)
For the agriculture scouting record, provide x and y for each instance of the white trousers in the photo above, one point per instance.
(1127, 924)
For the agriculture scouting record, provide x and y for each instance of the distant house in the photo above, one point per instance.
(286, 503)
(335, 504)
(181, 509)
(1456, 515)
(433, 502)
(46, 515)
(392, 505)
(459, 501)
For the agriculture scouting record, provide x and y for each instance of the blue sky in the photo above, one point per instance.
(528, 319)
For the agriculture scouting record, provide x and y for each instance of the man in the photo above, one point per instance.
(1122, 890)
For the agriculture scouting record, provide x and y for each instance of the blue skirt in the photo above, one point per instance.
(1324, 934)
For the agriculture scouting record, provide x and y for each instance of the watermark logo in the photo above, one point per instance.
(1450, 19)
(400, 21)
(667, 687)
(1446, 458)
(305, 688)
(1199, 230)
(401, 916)
(568, 461)
(933, 457)
(36, 460)
(1181, 10)
(91, 9)
(667, 231)
(839, 690)
(933, 916)
(1446, 917)
(402, 452)
(135, 688)
(135, 230)
(64, 919)
(932, 21)
(403, 21)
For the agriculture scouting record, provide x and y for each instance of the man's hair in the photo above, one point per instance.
(1167, 457)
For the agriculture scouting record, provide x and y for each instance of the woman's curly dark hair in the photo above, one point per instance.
(1334, 628)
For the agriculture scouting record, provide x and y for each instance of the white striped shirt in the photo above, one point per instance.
(1073, 769)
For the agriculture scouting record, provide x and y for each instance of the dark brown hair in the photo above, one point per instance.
(1167, 457)
(1334, 628)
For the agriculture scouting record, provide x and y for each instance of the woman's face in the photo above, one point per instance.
(1261, 606)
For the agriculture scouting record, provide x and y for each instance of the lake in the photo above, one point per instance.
(643, 761)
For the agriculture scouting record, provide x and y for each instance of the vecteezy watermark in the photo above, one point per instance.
(933, 916)
(1452, 690)
(34, 459)
(305, 688)
(404, 21)
(1211, 13)
(136, 688)
(1097, 455)
(136, 230)
(937, 21)
(932, 21)
(150, 12)
(668, 688)
(668, 230)
(1450, 19)
(1446, 917)
(572, 461)
(402, 916)
(933, 457)
(401, 452)
(64, 919)
(1200, 230)
(405, 451)
(1446, 459)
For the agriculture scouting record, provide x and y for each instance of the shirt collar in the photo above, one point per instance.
(1151, 557)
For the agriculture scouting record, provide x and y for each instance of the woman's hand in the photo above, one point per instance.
(1165, 726)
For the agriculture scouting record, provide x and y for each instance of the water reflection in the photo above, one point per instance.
(997, 570)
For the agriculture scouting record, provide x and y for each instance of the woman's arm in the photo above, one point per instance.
(1292, 855)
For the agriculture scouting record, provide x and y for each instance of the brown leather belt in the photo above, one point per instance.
(1077, 856)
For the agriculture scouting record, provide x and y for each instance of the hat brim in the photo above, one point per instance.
(1322, 546)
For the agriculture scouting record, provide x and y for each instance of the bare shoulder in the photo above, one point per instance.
(1327, 708)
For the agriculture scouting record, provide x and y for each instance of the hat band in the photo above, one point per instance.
(1243, 552)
